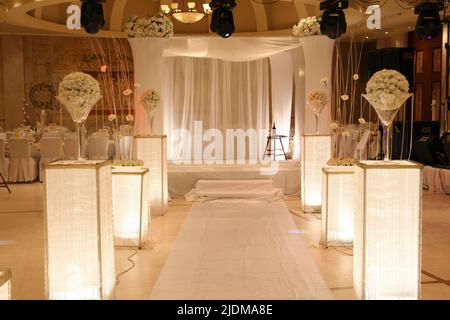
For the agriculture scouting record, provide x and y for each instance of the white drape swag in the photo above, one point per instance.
(223, 95)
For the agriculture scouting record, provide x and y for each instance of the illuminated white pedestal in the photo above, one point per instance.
(5, 284)
(153, 151)
(130, 206)
(79, 230)
(338, 194)
(387, 242)
(315, 152)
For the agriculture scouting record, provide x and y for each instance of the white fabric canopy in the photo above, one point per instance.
(231, 49)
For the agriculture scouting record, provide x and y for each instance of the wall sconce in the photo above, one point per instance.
(338, 193)
(387, 241)
(79, 230)
(153, 151)
(5, 284)
(130, 205)
(315, 153)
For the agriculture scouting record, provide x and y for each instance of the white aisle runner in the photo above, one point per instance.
(240, 249)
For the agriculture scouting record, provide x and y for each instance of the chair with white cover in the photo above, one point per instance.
(361, 148)
(70, 147)
(22, 168)
(4, 162)
(51, 150)
(97, 147)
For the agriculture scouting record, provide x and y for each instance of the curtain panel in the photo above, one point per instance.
(203, 94)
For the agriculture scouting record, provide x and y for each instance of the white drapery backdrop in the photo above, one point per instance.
(221, 94)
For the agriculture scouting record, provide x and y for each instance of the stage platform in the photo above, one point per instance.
(182, 177)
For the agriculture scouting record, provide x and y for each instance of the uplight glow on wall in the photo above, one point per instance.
(153, 151)
(315, 152)
(338, 193)
(387, 244)
(5, 284)
(79, 230)
(130, 205)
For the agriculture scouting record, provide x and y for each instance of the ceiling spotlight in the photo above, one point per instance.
(428, 23)
(92, 18)
(222, 21)
(333, 22)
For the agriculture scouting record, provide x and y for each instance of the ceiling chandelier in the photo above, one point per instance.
(186, 11)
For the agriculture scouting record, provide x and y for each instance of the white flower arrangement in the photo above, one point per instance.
(387, 89)
(356, 77)
(128, 163)
(112, 117)
(79, 92)
(129, 118)
(127, 92)
(154, 26)
(317, 98)
(306, 27)
(362, 121)
(346, 162)
(344, 97)
(150, 100)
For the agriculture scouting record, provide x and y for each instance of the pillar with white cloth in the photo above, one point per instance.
(337, 206)
(387, 243)
(153, 151)
(148, 73)
(318, 59)
(316, 151)
(79, 245)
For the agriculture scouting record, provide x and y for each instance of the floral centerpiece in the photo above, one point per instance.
(150, 100)
(78, 92)
(306, 27)
(346, 162)
(317, 100)
(152, 26)
(387, 91)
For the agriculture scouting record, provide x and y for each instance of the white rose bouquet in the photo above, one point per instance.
(306, 27)
(387, 90)
(154, 26)
(317, 100)
(79, 92)
(150, 100)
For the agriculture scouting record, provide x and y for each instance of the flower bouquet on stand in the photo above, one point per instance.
(387, 91)
(78, 93)
(317, 100)
(150, 100)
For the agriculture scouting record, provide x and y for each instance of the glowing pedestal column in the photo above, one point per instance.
(315, 153)
(130, 206)
(338, 193)
(5, 284)
(387, 240)
(153, 151)
(79, 230)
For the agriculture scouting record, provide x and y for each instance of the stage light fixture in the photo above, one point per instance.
(428, 23)
(222, 21)
(333, 22)
(92, 17)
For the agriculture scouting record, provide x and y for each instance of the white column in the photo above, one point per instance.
(148, 73)
(318, 54)
(338, 193)
(79, 231)
(387, 242)
(316, 151)
(5, 284)
(131, 209)
(153, 151)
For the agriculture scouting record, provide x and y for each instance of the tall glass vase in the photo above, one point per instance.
(387, 113)
(79, 113)
(317, 108)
